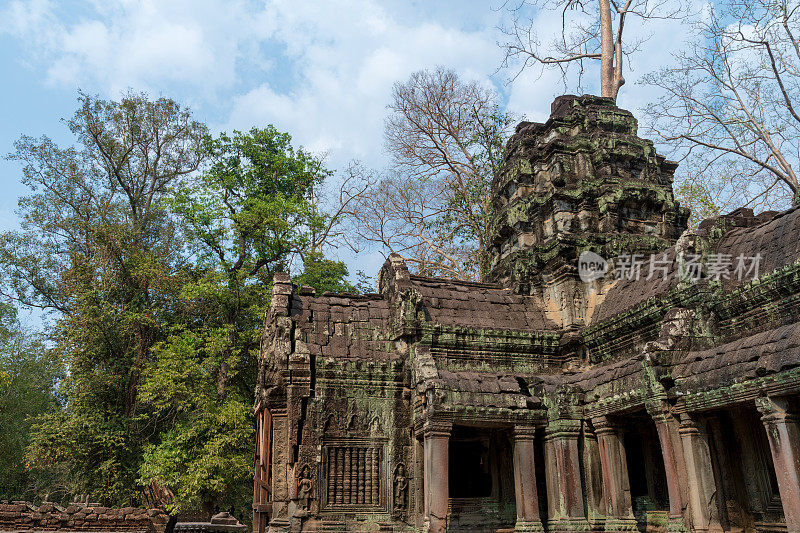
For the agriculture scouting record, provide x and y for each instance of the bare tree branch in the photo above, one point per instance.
(731, 100)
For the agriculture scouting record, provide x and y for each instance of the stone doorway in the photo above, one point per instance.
(646, 473)
(746, 488)
(481, 480)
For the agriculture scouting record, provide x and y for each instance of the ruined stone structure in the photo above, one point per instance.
(664, 401)
(19, 517)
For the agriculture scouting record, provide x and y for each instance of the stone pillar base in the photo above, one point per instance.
(434, 526)
(278, 525)
(620, 525)
(597, 523)
(676, 524)
(568, 525)
(528, 526)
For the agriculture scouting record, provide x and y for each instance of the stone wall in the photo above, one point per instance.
(25, 516)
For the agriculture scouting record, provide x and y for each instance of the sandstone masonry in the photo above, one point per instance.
(542, 402)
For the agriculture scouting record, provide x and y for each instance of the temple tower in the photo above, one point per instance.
(582, 181)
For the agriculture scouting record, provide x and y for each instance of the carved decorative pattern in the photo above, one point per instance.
(353, 475)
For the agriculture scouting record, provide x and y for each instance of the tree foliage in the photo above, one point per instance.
(28, 376)
(249, 214)
(729, 108)
(153, 246)
(325, 275)
(97, 247)
(446, 139)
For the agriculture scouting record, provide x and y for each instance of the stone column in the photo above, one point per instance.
(417, 496)
(699, 472)
(616, 484)
(564, 487)
(596, 506)
(783, 433)
(674, 467)
(437, 492)
(525, 480)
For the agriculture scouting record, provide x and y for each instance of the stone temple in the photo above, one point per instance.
(659, 392)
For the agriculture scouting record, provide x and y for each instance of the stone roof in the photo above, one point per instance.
(625, 370)
(486, 389)
(627, 293)
(758, 355)
(776, 237)
(479, 305)
(352, 327)
(344, 326)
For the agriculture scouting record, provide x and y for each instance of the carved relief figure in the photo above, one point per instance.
(304, 487)
(400, 490)
(352, 425)
(375, 426)
(579, 304)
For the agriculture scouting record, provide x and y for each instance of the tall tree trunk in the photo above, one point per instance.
(607, 83)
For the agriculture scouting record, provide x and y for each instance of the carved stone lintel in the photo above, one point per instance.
(437, 428)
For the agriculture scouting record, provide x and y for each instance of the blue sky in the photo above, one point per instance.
(322, 71)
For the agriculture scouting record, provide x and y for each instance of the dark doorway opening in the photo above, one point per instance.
(481, 479)
(746, 492)
(469, 472)
(646, 473)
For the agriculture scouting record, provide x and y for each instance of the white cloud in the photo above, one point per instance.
(347, 66)
(144, 44)
(321, 70)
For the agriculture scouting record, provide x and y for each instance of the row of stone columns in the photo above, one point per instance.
(565, 493)
(436, 478)
(669, 440)
(687, 464)
(565, 508)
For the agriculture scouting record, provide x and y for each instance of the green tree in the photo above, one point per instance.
(28, 377)
(98, 249)
(250, 214)
(325, 275)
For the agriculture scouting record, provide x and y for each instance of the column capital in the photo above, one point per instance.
(603, 426)
(688, 425)
(563, 428)
(659, 409)
(589, 429)
(524, 432)
(774, 410)
(661, 417)
(437, 428)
